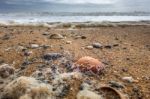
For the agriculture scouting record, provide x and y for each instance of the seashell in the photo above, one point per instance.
(56, 36)
(111, 92)
(89, 64)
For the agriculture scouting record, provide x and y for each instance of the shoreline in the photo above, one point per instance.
(78, 24)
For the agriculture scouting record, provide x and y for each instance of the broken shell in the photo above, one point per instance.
(106, 90)
(56, 36)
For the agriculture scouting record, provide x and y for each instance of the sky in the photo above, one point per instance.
(115, 5)
(73, 1)
(59, 1)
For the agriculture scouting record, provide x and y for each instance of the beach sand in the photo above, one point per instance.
(125, 52)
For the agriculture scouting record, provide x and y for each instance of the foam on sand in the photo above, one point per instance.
(27, 88)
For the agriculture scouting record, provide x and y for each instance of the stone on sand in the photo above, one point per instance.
(68, 42)
(89, 47)
(129, 79)
(6, 70)
(97, 45)
(52, 56)
(116, 84)
(33, 46)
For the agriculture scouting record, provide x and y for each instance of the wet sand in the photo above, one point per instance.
(125, 52)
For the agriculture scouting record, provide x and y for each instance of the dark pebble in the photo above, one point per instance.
(125, 70)
(115, 45)
(40, 74)
(46, 33)
(124, 48)
(127, 58)
(116, 84)
(52, 56)
(1, 82)
(45, 46)
(83, 37)
(116, 38)
(24, 65)
(1, 61)
(108, 46)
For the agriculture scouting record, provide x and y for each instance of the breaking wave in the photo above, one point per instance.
(43, 18)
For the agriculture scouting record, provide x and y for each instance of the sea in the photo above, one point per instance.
(73, 13)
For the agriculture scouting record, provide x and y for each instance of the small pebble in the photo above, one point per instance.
(1, 81)
(115, 45)
(97, 45)
(27, 53)
(78, 37)
(41, 66)
(108, 46)
(89, 47)
(129, 79)
(6, 70)
(33, 46)
(46, 46)
(68, 42)
(52, 56)
(1, 61)
(83, 37)
(116, 84)
(124, 69)
(45, 33)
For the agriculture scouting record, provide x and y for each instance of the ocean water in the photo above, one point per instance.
(74, 13)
